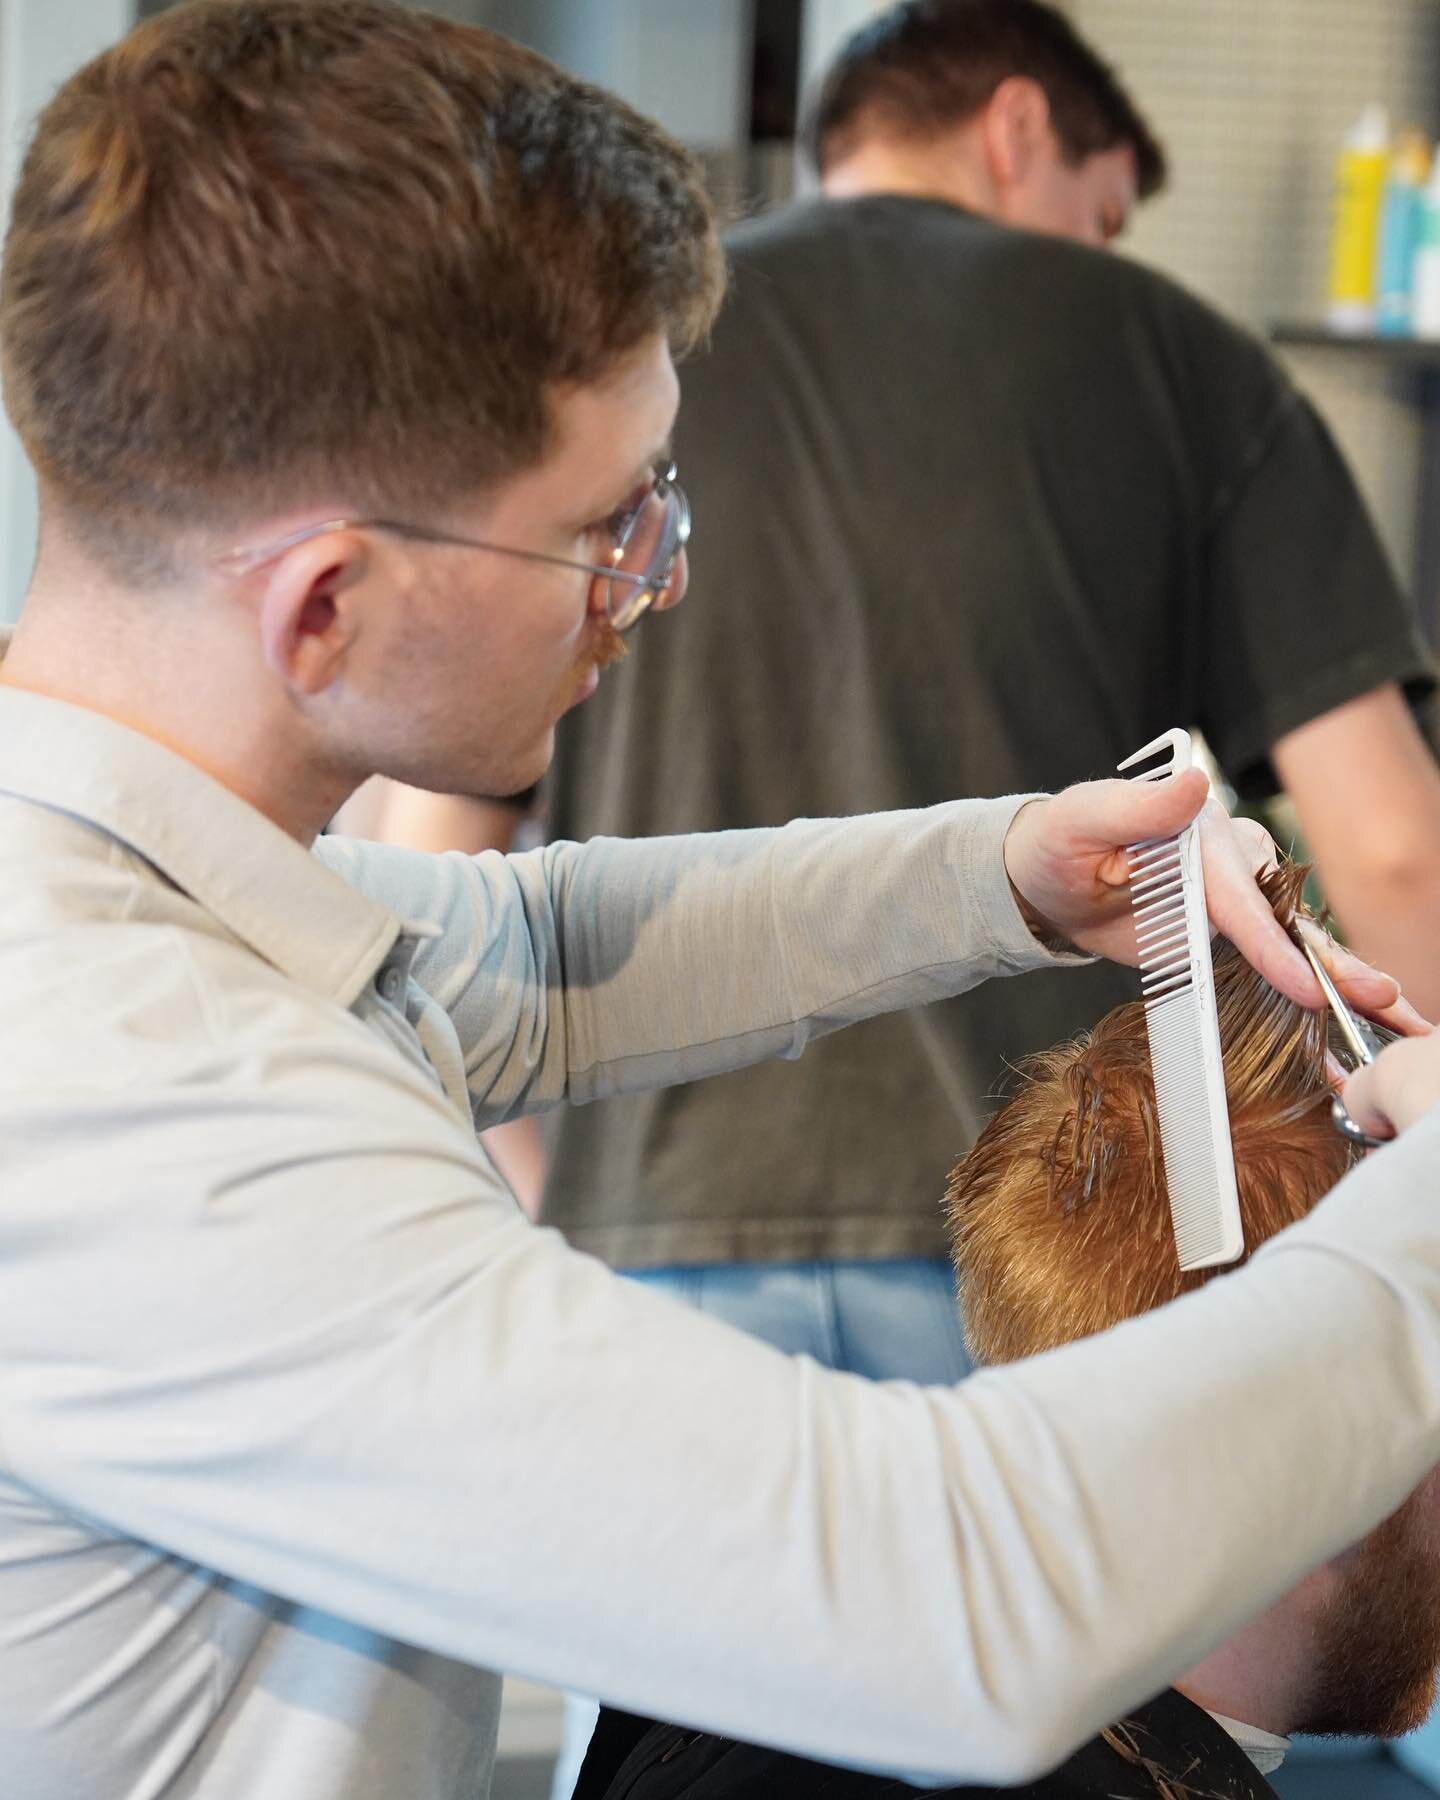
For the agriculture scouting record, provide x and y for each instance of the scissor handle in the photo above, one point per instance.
(1347, 1127)
(1360, 1039)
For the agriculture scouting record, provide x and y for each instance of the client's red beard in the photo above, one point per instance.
(1379, 1639)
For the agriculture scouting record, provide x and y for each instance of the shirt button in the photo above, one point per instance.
(392, 985)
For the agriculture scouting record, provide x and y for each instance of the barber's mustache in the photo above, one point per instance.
(607, 646)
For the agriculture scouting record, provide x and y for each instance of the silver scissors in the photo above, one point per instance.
(1360, 1040)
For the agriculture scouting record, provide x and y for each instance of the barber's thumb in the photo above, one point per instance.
(1364, 1104)
(1160, 808)
(1399, 1087)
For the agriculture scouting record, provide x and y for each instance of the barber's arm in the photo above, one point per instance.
(390, 812)
(353, 1376)
(578, 971)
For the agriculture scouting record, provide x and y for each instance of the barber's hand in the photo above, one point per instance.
(1367, 990)
(1065, 857)
(1403, 1082)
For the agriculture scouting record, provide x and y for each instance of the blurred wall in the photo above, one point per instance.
(1252, 98)
(684, 62)
(41, 42)
(827, 24)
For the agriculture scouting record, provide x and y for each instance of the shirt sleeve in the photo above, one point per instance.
(320, 1352)
(1301, 610)
(582, 970)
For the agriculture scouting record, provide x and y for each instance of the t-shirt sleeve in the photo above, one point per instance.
(1302, 610)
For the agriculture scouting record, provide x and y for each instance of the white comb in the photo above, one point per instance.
(1172, 928)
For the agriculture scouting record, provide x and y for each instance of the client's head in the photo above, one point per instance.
(1061, 1227)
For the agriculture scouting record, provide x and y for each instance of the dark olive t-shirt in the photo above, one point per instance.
(976, 512)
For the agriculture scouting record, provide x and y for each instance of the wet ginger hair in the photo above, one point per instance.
(1059, 1216)
(259, 248)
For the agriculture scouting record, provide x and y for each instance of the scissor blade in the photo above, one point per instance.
(1363, 1044)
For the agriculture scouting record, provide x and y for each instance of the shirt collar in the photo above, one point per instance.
(1264, 1749)
(262, 886)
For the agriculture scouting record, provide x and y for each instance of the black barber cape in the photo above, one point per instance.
(634, 1759)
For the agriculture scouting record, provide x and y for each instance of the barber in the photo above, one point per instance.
(340, 337)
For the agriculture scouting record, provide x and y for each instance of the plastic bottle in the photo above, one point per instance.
(1359, 188)
(1425, 291)
(1400, 231)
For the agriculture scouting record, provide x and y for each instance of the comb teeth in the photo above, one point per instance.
(1157, 892)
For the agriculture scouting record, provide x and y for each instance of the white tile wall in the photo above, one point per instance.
(1252, 98)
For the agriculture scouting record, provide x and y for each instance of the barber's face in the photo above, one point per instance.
(1089, 202)
(477, 656)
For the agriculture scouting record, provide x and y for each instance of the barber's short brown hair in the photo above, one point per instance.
(1059, 1215)
(265, 247)
(928, 65)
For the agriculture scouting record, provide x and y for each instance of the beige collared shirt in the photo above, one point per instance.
(303, 1426)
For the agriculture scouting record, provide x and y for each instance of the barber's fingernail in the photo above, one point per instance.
(1405, 1018)
(1315, 932)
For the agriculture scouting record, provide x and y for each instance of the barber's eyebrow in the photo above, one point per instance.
(612, 500)
(659, 458)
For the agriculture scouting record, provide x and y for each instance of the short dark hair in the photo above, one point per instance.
(259, 244)
(928, 65)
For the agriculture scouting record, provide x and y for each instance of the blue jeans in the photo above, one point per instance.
(886, 1320)
(881, 1319)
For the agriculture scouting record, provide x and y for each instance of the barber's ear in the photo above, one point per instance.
(1014, 127)
(309, 611)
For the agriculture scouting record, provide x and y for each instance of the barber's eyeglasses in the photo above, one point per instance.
(646, 539)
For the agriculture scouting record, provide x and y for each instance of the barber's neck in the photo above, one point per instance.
(178, 669)
(951, 168)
